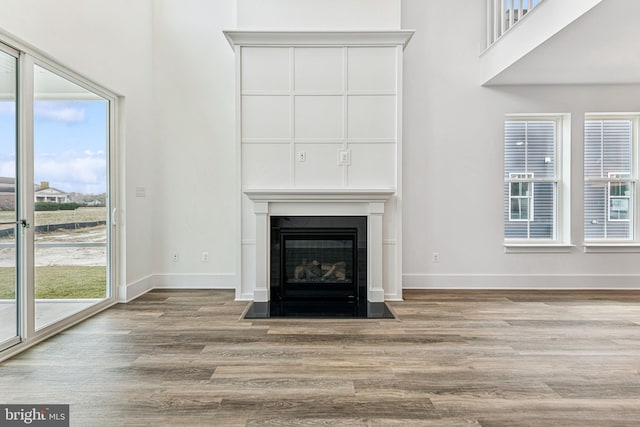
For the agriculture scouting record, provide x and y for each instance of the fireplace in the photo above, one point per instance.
(341, 230)
(318, 264)
(319, 134)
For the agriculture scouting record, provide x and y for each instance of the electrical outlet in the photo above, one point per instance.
(205, 256)
(301, 156)
(174, 256)
(435, 257)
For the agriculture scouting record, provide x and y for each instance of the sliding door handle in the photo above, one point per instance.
(22, 222)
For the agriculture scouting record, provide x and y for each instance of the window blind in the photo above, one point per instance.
(530, 149)
(609, 185)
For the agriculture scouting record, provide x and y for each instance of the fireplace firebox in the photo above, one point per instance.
(318, 264)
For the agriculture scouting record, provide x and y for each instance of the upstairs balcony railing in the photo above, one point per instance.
(502, 15)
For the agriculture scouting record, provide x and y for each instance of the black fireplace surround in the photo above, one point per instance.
(318, 268)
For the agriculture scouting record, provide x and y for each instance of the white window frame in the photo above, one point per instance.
(522, 178)
(611, 244)
(620, 178)
(561, 242)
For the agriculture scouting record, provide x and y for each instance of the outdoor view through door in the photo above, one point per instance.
(71, 135)
(9, 333)
(56, 198)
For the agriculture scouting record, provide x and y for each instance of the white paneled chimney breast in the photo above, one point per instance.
(319, 117)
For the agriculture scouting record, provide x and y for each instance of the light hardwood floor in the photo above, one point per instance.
(459, 358)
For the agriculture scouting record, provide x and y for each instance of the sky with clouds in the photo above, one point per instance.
(70, 143)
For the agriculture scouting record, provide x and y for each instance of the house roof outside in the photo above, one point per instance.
(8, 185)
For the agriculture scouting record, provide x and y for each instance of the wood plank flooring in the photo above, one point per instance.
(455, 358)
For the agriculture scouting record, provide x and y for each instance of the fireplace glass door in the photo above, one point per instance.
(319, 264)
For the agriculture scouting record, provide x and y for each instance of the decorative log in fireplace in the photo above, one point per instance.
(319, 264)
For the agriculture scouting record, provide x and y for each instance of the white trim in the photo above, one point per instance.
(25, 198)
(305, 194)
(522, 281)
(534, 248)
(611, 247)
(248, 296)
(284, 141)
(194, 281)
(317, 38)
(129, 292)
(371, 141)
(238, 138)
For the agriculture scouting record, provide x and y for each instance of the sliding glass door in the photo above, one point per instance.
(70, 155)
(9, 231)
(56, 198)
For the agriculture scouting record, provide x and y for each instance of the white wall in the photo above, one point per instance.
(453, 158)
(319, 14)
(109, 42)
(194, 153)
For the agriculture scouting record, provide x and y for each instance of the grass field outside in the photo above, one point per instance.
(60, 282)
(72, 272)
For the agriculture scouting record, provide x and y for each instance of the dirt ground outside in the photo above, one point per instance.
(72, 255)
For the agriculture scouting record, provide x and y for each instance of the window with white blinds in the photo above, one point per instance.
(531, 178)
(609, 179)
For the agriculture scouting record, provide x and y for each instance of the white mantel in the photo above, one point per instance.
(338, 202)
(319, 194)
(319, 134)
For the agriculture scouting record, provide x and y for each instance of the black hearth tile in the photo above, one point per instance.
(313, 309)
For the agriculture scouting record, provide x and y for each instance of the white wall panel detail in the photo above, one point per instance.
(319, 69)
(372, 69)
(265, 69)
(372, 117)
(248, 221)
(267, 117)
(247, 285)
(393, 290)
(309, 95)
(320, 169)
(370, 166)
(318, 117)
(266, 165)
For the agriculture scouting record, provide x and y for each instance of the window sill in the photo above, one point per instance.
(612, 247)
(536, 248)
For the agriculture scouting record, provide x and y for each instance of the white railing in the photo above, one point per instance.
(504, 14)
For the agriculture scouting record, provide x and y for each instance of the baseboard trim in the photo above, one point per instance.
(248, 296)
(409, 281)
(133, 290)
(522, 281)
